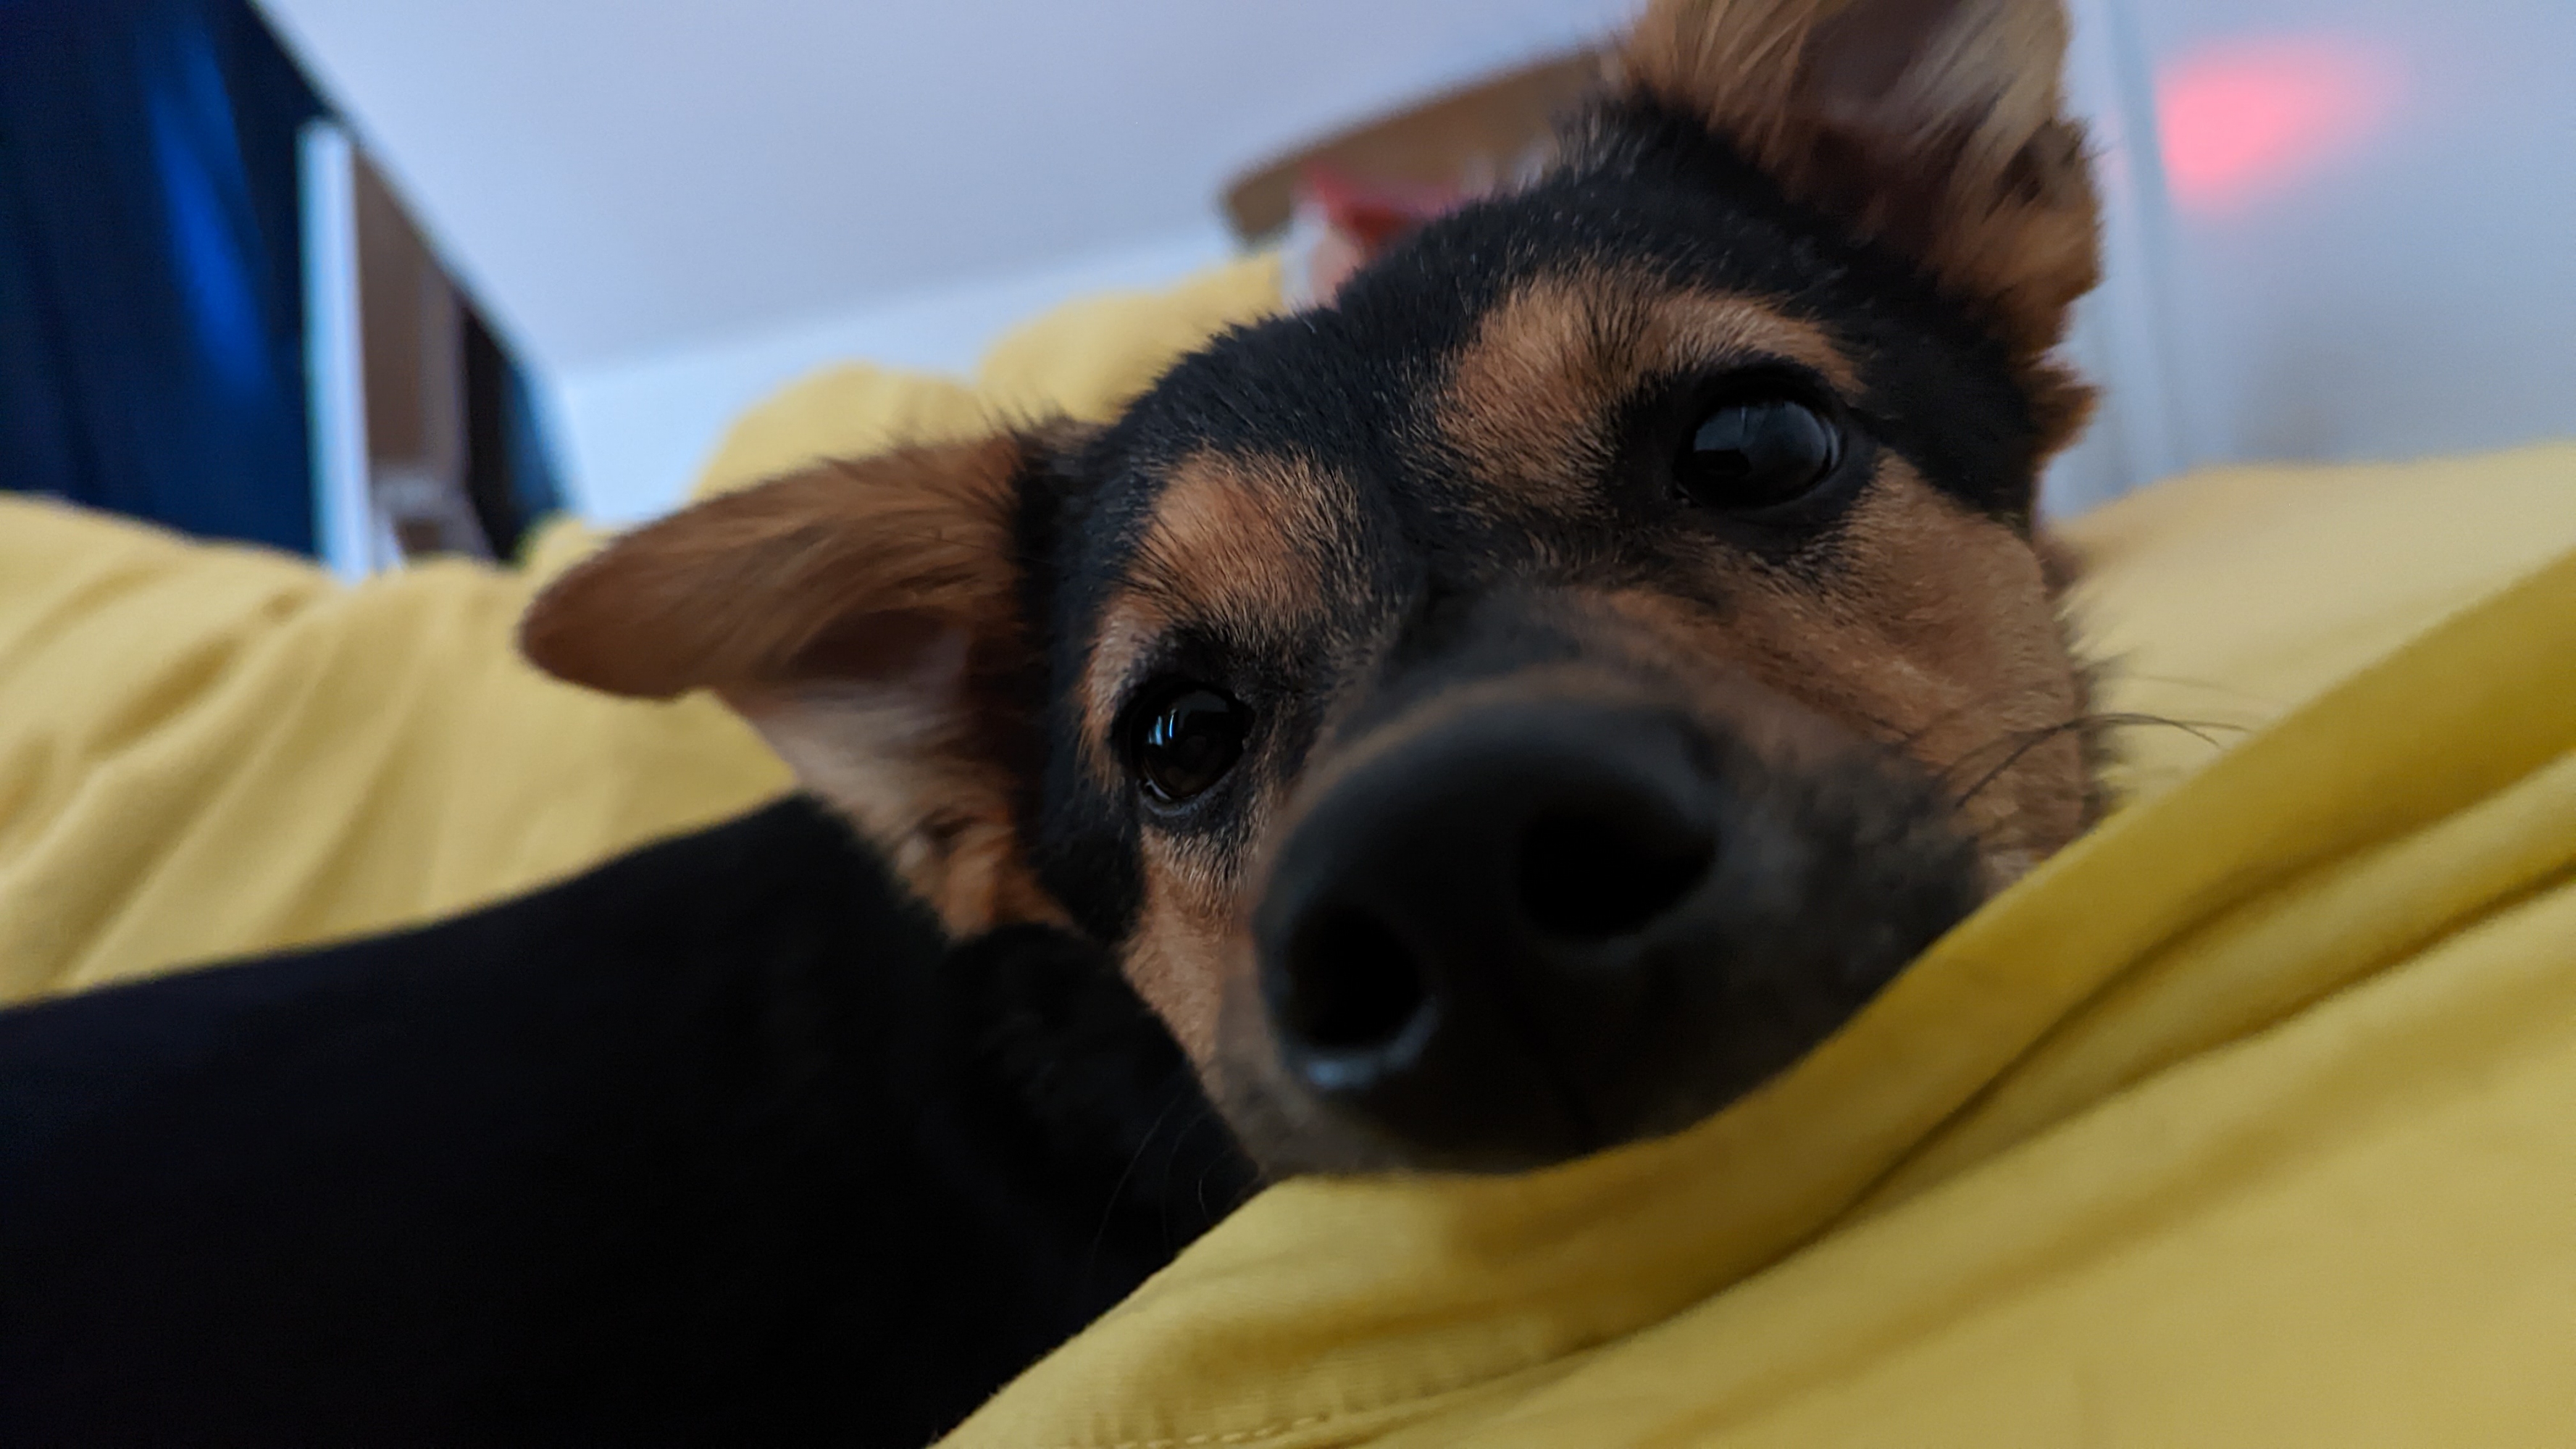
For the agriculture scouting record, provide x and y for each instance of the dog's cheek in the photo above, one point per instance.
(2019, 757)
(1248, 1083)
(1938, 630)
(1198, 971)
(1187, 942)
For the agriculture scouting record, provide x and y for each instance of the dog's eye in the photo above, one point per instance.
(1756, 452)
(1186, 741)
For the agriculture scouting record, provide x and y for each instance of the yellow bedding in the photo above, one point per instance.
(2245, 1121)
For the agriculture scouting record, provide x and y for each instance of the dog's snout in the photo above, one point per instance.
(1607, 864)
(1540, 925)
(1461, 920)
(1349, 986)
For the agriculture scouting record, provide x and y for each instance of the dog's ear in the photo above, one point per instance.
(1935, 128)
(867, 618)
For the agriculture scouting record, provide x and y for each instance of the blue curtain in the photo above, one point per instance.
(151, 301)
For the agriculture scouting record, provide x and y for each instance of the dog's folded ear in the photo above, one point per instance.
(867, 617)
(1933, 128)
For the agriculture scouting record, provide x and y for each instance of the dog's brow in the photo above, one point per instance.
(1532, 399)
(1121, 648)
(1241, 539)
(1236, 546)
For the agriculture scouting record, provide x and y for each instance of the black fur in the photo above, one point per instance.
(718, 1143)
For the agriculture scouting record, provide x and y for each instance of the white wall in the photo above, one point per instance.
(675, 206)
(637, 432)
(2413, 288)
(619, 178)
(2353, 238)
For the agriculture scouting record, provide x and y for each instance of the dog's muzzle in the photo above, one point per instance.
(1552, 922)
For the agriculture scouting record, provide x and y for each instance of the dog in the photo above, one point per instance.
(1508, 712)
(1523, 705)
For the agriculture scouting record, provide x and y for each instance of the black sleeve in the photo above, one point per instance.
(721, 1142)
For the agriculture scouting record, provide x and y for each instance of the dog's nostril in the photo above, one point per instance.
(1351, 983)
(1592, 873)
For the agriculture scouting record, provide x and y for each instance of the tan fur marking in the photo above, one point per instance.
(1241, 541)
(902, 765)
(1192, 933)
(735, 590)
(1130, 625)
(1533, 397)
(1938, 636)
(862, 615)
(1936, 127)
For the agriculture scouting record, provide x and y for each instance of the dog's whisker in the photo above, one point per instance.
(1162, 1195)
(2019, 743)
(1109, 1209)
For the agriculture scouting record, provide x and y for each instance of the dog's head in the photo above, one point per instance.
(1519, 707)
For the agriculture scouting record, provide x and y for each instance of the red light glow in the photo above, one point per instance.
(2243, 119)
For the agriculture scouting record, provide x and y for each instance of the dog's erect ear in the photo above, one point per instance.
(867, 618)
(1935, 128)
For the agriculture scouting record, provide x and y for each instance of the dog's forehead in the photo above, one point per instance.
(1700, 247)
(1465, 388)
(1518, 324)
(1353, 385)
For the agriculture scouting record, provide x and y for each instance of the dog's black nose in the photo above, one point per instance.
(1468, 938)
(1512, 932)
